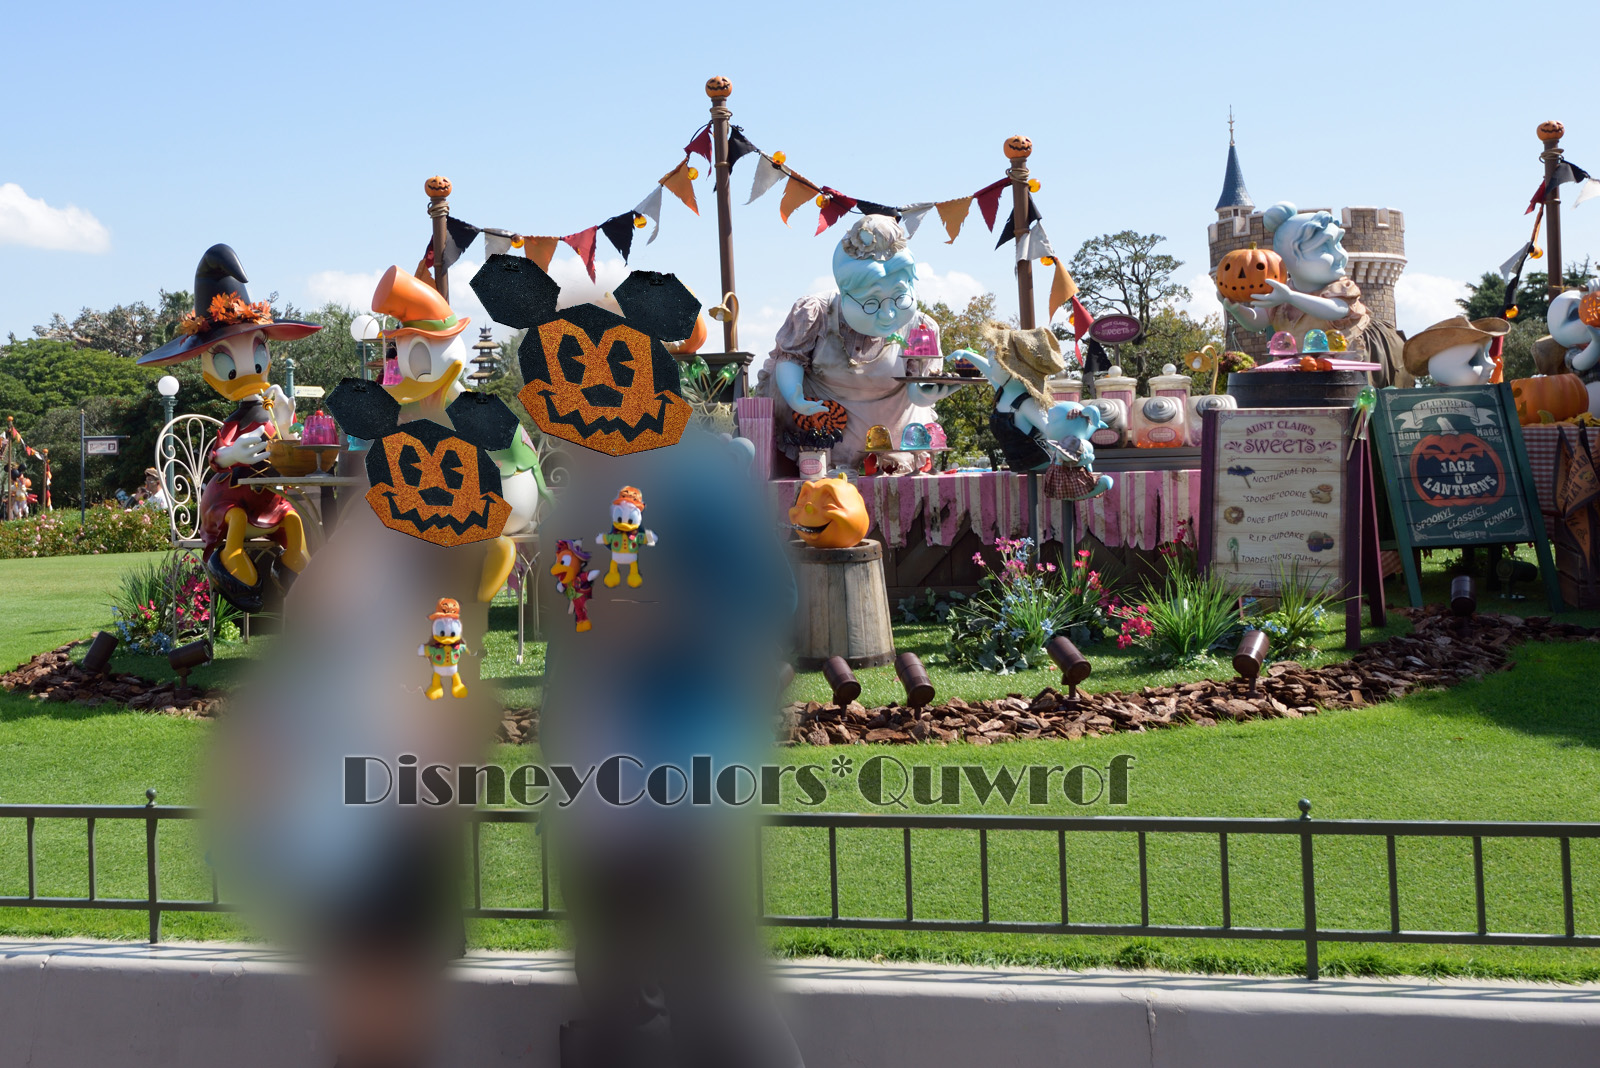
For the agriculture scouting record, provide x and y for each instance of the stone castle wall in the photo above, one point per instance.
(1374, 237)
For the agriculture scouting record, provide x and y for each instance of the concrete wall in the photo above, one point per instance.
(82, 1005)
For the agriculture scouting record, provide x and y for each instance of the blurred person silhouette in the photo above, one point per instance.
(676, 671)
(368, 891)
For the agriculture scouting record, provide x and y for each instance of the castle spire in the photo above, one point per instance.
(1234, 194)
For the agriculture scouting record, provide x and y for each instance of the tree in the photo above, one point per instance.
(964, 415)
(1169, 335)
(1485, 297)
(322, 358)
(129, 330)
(59, 375)
(1122, 272)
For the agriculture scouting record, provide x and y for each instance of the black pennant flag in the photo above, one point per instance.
(1095, 360)
(867, 207)
(739, 146)
(1011, 222)
(619, 231)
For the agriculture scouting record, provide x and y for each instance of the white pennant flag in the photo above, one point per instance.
(1590, 188)
(496, 244)
(911, 216)
(1514, 264)
(1034, 244)
(651, 206)
(768, 174)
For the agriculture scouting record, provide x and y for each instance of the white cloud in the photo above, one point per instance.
(1420, 300)
(342, 287)
(955, 288)
(29, 221)
(1203, 300)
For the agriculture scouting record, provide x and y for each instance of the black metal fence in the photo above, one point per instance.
(1304, 829)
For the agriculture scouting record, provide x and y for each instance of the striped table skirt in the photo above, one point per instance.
(1141, 510)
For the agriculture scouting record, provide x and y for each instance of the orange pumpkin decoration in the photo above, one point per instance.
(1589, 308)
(437, 186)
(718, 87)
(1244, 272)
(1561, 396)
(1450, 470)
(691, 344)
(1018, 147)
(1550, 130)
(829, 513)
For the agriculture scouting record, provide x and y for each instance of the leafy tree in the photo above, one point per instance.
(1169, 335)
(965, 413)
(1518, 349)
(59, 375)
(322, 358)
(129, 330)
(1122, 272)
(57, 430)
(1486, 296)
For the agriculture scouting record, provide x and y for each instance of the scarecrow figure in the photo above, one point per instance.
(229, 334)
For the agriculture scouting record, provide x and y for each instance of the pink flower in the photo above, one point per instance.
(977, 558)
(1049, 567)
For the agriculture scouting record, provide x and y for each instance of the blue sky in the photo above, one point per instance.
(301, 133)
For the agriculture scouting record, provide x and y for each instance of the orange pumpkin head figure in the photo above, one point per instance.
(593, 377)
(1244, 272)
(428, 480)
(829, 513)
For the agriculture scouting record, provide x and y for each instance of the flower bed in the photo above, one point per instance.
(107, 528)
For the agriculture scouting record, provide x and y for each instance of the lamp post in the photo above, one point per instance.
(167, 386)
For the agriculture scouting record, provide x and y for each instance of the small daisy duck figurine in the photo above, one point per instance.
(444, 649)
(627, 534)
(574, 580)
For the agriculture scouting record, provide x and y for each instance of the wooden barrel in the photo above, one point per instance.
(1296, 389)
(844, 606)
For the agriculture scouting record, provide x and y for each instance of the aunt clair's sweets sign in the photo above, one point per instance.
(1276, 496)
(1456, 472)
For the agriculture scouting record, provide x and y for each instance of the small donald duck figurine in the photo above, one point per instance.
(574, 579)
(444, 649)
(627, 534)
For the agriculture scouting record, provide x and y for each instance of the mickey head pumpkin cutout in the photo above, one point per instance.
(428, 480)
(593, 377)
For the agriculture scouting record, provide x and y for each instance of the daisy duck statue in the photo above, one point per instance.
(229, 334)
(855, 349)
(1035, 432)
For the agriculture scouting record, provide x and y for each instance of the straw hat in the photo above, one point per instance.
(1030, 356)
(1423, 346)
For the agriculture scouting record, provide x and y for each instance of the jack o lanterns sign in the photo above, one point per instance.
(1459, 468)
(595, 378)
(428, 480)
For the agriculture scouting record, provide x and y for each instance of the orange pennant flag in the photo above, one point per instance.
(953, 213)
(1062, 287)
(678, 183)
(540, 250)
(797, 192)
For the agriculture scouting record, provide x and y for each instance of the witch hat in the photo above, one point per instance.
(222, 309)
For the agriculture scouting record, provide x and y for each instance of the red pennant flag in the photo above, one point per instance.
(989, 200)
(1538, 197)
(832, 209)
(1081, 322)
(582, 243)
(701, 144)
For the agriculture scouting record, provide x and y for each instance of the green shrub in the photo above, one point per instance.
(1303, 603)
(107, 528)
(1184, 618)
(1003, 628)
(145, 606)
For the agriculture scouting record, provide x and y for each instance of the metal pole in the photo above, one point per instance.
(1017, 150)
(718, 89)
(83, 478)
(167, 452)
(438, 190)
(288, 377)
(1550, 134)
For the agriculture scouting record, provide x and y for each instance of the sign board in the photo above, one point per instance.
(309, 391)
(1116, 329)
(100, 446)
(1457, 475)
(1283, 491)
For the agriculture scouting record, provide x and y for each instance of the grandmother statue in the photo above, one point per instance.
(849, 349)
(1320, 294)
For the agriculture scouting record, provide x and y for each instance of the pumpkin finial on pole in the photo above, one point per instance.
(438, 190)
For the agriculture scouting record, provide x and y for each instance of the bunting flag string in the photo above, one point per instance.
(769, 171)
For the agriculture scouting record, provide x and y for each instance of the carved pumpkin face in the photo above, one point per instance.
(437, 186)
(437, 490)
(1456, 469)
(1589, 308)
(718, 85)
(829, 513)
(1018, 147)
(1550, 130)
(1244, 272)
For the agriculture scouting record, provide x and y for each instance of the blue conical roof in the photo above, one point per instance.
(1234, 194)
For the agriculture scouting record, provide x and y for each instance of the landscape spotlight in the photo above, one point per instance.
(99, 654)
(1250, 655)
(1075, 667)
(1463, 596)
(841, 680)
(914, 677)
(185, 658)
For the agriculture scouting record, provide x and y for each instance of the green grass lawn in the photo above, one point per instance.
(1523, 744)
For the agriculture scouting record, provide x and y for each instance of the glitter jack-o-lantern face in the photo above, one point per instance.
(593, 377)
(1245, 272)
(829, 513)
(436, 488)
(1457, 469)
(428, 480)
